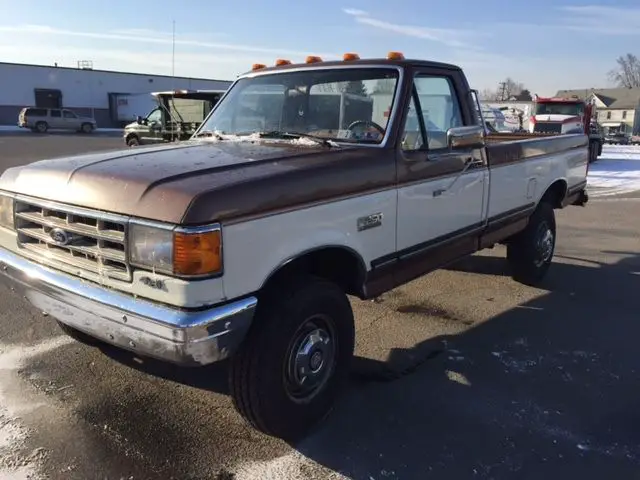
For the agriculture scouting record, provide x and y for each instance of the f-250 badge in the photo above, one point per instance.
(370, 221)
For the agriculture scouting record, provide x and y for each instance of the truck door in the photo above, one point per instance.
(153, 131)
(440, 192)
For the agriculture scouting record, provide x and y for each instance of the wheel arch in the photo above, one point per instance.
(338, 263)
(555, 193)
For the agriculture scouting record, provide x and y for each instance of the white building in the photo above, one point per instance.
(83, 90)
(618, 108)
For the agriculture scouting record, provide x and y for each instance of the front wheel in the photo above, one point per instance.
(296, 358)
(133, 141)
(86, 128)
(530, 252)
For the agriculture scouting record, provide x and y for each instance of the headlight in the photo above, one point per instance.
(176, 251)
(6, 212)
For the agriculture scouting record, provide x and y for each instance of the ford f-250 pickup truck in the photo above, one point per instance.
(245, 241)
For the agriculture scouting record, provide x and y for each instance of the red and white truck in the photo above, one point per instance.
(557, 115)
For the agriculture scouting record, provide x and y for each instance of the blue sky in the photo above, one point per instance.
(545, 44)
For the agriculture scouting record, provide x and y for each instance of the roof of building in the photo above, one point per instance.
(621, 98)
(113, 72)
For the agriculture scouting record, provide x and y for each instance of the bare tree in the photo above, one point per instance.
(488, 95)
(506, 90)
(627, 73)
(509, 88)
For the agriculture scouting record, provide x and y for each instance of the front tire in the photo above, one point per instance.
(530, 252)
(296, 358)
(133, 141)
(86, 128)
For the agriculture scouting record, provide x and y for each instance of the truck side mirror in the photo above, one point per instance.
(462, 138)
(139, 120)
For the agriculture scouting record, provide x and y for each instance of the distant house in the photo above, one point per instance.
(618, 108)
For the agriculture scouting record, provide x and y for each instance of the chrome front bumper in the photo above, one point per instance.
(184, 337)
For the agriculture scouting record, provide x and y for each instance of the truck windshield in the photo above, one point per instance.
(574, 109)
(345, 104)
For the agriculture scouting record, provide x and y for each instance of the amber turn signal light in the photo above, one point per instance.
(197, 253)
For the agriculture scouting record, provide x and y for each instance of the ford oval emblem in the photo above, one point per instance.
(60, 237)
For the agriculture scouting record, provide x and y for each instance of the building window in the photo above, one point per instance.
(608, 115)
(624, 114)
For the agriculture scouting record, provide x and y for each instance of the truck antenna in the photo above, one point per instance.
(173, 65)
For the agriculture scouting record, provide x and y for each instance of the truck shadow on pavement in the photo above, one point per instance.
(549, 388)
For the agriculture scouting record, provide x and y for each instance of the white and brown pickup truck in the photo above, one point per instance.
(308, 183)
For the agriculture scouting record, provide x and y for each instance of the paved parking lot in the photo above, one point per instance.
(461, 374)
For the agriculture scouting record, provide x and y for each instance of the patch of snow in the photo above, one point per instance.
(293, 466)
(617, 171)
(15, 464)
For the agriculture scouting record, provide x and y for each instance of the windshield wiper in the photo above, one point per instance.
(278, 134)
(209, 133)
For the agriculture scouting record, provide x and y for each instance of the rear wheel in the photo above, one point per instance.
(42, 127)
(296, 358)
(530, 252)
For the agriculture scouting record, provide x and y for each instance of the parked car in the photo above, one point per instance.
(634, 140)
(616, 138)
(245, 241)
(42, 119)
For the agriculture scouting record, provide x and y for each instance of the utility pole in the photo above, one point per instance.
(503, 89)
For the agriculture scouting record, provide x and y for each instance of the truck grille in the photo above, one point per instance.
(547, 127)
(65, 237)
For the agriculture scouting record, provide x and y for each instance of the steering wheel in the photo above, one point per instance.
(367, 123)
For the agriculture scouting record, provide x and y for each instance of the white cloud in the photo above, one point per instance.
(154, 39)
(355, 12)
(597, 19)
(445, 36)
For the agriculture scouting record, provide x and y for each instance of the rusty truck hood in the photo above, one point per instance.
(198, 181)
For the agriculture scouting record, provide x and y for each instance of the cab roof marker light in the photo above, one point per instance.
(282, 61)
(258, 66)
(395, 56)
(313, 59)
(348, 57)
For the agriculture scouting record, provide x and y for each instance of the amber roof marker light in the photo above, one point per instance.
(395, 56)
(258, 66)
(349, 57)
(313, 59)
(282, 61)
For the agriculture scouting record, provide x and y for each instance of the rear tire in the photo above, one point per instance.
(133, 141)
(296, 358)
(42, 127)
(530, 252)
(78, 335)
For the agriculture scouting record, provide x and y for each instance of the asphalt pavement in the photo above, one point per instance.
(460, 374)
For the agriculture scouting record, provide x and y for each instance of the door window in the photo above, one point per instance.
(68, 114)
(155, 116)
(434, 101)
(56, 114)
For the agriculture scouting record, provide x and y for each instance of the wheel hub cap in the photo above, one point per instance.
(545, 245)
(310, 362)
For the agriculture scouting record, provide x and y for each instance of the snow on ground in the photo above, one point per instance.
(616, 172)
(18, 460)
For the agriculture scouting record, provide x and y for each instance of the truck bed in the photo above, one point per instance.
(509, 148)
